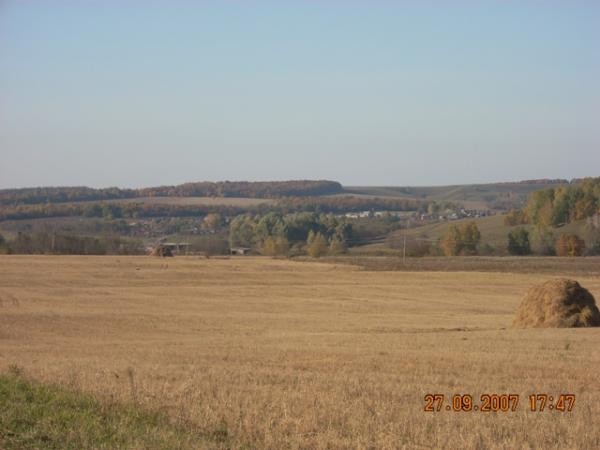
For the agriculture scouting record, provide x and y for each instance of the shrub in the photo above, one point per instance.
(518, 242)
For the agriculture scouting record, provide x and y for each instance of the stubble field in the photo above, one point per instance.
(281, 354)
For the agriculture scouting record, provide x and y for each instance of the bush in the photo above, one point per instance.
(518, 242)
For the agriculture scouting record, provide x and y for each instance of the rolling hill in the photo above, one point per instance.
(498, 196)
(493, 232)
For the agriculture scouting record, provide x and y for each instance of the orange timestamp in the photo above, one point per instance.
(498, 402)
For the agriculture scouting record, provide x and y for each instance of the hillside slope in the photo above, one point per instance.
(475, 196)
(493, 232)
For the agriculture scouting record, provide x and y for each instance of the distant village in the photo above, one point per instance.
(462, 213)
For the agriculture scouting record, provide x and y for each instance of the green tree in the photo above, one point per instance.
(241, 231)
(316, 244)
(270, 224)
(299, 225)
(518, 242)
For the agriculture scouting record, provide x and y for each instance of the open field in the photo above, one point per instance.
(557, 266)
(476, 196)
(278, 354)
(189, 201)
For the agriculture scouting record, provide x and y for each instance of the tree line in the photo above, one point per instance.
(567, 244)
(564, 204)
(291, 234)
(465, 240)
(248, 189)
(113, 210)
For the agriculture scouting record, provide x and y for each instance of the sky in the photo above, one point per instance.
(143, 93)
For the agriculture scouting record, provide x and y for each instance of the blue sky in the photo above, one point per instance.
(133, 93)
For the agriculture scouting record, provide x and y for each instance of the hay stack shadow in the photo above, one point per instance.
(558, 303)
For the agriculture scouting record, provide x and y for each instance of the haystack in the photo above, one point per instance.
(559, 303)
(161, 251)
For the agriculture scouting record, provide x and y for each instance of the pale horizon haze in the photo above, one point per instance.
(133, 93)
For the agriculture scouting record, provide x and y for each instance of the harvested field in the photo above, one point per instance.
(281, 354)
(209, 201)
(514, 264)
(185, 201)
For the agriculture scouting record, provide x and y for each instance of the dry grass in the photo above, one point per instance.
(561, 266)
(287, 355)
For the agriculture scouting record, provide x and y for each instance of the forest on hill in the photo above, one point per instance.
(246, 189)
(556, 206)
(116, 210)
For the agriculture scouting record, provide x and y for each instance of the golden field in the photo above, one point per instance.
(284, 354)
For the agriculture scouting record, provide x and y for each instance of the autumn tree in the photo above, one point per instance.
(452, 241)
(556, 206)
(570, 245)
(212, 221)
(515, 217)
(540, 208)
(470, 238)
(316, 245)
(273, 246)
(461, 240)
